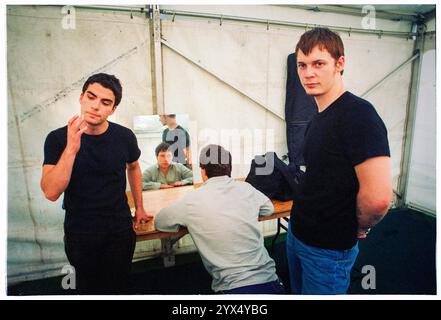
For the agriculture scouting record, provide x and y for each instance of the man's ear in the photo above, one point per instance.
(340, 64)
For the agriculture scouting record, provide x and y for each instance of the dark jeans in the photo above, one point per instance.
(102, 262)
(273, 287)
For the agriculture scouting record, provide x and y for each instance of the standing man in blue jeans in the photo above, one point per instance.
(347, 187)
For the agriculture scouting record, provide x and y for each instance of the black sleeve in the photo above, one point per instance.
(133, 153)
(364, 134)
(53, 148)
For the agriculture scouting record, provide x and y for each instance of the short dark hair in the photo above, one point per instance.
(107, 81)
(216, 161)
(171, 115)
(325, 39)
(162, 147)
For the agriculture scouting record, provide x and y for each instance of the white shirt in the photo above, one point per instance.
(222, 218)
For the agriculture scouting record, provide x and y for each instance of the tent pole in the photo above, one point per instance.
(156, 61)
(409, 126)
(267, 22)
(128, 9)
(415, 56)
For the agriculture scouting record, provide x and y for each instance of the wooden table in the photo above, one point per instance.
(155, 200)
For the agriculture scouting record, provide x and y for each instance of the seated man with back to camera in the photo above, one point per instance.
(165, 174)
(222, 218)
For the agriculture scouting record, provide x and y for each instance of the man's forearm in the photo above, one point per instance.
(56, 179)
(374, 193)
(367, 221)
(187, 180)
(151, 185)
(266, 209)
(369, 213)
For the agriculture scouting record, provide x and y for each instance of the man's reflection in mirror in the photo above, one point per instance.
(166, 173)
(178, 138)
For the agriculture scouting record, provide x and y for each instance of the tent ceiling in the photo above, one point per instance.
(392, 12)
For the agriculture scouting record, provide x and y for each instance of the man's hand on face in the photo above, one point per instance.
(75, 129)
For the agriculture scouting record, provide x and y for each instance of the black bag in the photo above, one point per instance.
(299, 110)
(274, 178)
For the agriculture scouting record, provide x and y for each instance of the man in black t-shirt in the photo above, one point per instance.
(178, 138)
(87, 160)
(347, 185)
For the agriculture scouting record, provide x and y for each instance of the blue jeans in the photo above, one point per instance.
(274, 287)
(318, 271)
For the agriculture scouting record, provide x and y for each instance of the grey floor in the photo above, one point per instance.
(401, 249)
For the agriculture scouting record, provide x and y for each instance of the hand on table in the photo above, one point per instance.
(141, 217)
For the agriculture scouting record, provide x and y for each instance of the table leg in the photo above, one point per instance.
(167, 251)
(279, 226)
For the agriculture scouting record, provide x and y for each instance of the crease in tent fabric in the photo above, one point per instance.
(28, 196)
(299, 110)
(389, 75)
(77, 84)
(202, 66)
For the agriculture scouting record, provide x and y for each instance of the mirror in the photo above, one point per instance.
(151, 130)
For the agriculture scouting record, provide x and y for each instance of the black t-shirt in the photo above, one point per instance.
(344, 135)
(95, 199)
(179, 139)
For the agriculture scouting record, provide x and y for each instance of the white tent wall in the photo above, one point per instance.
(47, 66)
(421, 185)
(239, 70)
